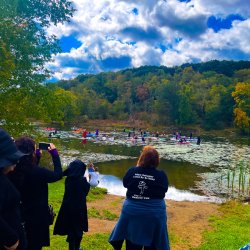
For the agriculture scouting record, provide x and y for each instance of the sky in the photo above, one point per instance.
(111, 35)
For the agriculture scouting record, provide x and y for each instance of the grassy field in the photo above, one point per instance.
(229, 230)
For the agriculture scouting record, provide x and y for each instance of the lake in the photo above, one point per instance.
(183, 176)
(195, 172)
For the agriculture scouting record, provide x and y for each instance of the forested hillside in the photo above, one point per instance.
(214, 94)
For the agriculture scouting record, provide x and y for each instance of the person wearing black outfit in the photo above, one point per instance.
(32, 182)
(12, 234)
(143, 219)
(72, 219)
(198, 140)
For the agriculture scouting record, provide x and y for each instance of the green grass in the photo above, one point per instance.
(89, 242)
(231, 230)
(176, 240)
(104, 214)
(109, 215)
(96, 194)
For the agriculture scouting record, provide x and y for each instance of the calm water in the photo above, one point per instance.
(182, 175)
(100, 148)
(182, 178)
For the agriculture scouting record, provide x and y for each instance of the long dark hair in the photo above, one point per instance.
(27, 146)
(26, 163)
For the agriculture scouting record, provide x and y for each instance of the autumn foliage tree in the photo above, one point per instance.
(241, 96)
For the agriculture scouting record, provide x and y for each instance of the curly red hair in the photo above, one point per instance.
(149, 157)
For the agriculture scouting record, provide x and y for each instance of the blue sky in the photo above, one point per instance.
(110, 35)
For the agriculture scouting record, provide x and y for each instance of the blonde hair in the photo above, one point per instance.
(149, 157)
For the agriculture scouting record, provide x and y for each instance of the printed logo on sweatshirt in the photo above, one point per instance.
(144, 176)
(142, 186)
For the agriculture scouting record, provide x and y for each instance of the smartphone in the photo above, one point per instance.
(43, 145)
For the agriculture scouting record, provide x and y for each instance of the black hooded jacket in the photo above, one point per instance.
(11, 229)
(72, 217)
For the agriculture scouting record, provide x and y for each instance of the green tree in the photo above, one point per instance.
(167, 102)
(23, 31)
(25, 48)
(63, 106)
(6, 64)
(213, 107)
(185, 112)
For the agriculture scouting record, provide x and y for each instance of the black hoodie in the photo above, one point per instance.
(72, 216)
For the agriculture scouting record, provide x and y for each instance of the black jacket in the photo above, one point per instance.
(34, 195)
(11, 228)
(72, 217)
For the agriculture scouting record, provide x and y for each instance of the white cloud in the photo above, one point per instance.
(180, 17)
(173, 58)
(110, 29)
(145, 55)
(237, 37)
(225, 7)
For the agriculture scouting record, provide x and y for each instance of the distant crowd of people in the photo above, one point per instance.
(136, 135)
(24, 213)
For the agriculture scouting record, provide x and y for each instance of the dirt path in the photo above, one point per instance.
(186, 220)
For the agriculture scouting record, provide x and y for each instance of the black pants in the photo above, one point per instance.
(33, 248)
(130, 246)
(74, 242)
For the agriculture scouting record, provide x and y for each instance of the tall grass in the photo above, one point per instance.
(237, 180)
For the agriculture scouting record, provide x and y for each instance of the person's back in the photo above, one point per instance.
(32, 182)
(93, 175)
(12, 234)
(142, 222)
(72, 218)
(198, 140)
(145, 183)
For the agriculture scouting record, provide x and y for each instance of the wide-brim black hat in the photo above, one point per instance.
(9, 154)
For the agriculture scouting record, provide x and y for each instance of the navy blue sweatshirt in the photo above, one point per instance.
(145, 183)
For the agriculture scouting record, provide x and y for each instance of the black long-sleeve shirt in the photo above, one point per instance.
(34, 196)
(10, 217)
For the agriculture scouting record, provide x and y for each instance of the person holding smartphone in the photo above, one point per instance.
(72, 219)
(32, 182)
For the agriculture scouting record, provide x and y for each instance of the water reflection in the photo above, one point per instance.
(181, 175)
(90, 146)
(114, 186)
(182, 178)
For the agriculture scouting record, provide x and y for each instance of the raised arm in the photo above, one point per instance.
(53, 176)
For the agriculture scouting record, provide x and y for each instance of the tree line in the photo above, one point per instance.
(214, 94)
